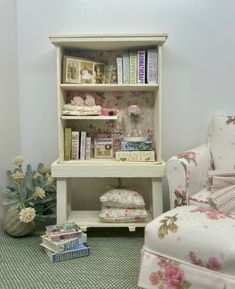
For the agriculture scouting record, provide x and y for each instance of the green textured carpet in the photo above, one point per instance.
(114, 263)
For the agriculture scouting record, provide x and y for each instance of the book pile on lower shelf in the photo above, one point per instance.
(64, 242)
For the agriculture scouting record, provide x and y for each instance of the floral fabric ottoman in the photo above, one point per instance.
(189, 247)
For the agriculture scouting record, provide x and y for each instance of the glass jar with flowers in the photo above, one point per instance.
(135, 134)
(30, 195)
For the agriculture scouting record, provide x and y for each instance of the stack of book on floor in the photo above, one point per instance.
(64, 242)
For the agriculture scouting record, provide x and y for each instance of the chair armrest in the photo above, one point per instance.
(187, 173)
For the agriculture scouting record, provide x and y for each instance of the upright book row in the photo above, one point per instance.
(137, 67)
(77, 145)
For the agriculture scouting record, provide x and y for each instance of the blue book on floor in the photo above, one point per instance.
(79, 251)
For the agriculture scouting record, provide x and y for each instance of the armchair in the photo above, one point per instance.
(187, 173)
(192, 245)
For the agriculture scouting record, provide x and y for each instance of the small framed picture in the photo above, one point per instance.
(86, 71)
(99, 71)
(71, 70)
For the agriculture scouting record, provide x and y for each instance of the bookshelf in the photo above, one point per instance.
(105, 48)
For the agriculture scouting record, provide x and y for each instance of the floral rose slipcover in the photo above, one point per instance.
(189, 247)
(187, 173)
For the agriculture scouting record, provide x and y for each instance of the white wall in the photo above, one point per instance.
(199, 63)
(9, 107)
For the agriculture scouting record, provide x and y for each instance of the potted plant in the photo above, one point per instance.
(30, 196)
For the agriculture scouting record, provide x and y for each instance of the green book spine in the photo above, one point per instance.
(133, 68)
(67, 143)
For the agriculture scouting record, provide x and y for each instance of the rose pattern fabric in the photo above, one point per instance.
(212, 264)
(188, 156)
(213, 214)
(187, 173)
(180, 198)
(202, 242)
(170, 276)
(230, 120)
(169, 225)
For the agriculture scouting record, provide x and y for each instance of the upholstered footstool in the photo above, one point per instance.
(189, 247)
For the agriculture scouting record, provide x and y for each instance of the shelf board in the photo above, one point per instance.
(89, 117)
(107, 168)
(86, 219)
(109, 87)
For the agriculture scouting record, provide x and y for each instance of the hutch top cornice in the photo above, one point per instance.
(108, 41)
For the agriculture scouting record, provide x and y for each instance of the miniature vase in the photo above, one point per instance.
(14, 227)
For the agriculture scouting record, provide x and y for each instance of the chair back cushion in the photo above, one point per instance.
(222, 142)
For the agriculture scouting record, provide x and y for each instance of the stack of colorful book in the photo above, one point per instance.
(64, 242)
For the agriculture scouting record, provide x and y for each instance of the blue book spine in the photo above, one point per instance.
(136, 146)
(81, 250)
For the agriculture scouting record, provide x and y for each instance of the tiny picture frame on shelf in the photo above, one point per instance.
(71, 70)
(86, 71)
(99, 73)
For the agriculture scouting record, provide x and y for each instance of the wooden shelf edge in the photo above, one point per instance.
(107, 169)
(88, 219)
(109, 87)
(90, 117)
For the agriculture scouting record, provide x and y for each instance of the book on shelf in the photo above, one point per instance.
(133, 67)
(119, 70)
(67, 143)
(88, 148)
(152, 66)
(75, 145)
(126, 67)
(135, 156)
(62, 232)
(141, 66)
(136, 146)
(83, 145)
(78, 251)
(63, 245)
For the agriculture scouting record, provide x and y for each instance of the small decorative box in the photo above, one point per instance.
(103, 148)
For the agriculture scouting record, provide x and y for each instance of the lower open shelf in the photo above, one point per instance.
(86, 219)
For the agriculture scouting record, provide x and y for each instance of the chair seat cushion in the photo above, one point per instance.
(195, 235)
(200, 198)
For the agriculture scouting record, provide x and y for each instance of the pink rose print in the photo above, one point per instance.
(173, 278)
(163, 262)
(169, 276)
(189, 156)
(212, 264)
(181, 198)
(212, 214)
(154, 278)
